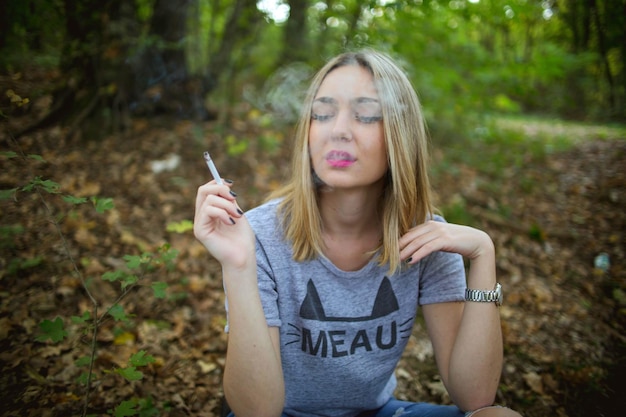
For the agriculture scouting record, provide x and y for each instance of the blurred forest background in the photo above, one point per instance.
(108, 306)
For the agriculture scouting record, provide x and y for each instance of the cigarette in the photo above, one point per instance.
(211, 165)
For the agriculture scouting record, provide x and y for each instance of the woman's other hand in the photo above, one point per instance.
(434, 236)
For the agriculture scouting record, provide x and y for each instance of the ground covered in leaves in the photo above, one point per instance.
(550, 216)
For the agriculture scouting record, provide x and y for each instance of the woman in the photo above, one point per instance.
(323, 281)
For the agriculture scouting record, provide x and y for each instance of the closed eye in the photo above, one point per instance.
(321, 117)
(368, 119)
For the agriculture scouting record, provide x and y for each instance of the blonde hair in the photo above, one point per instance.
(407, 199)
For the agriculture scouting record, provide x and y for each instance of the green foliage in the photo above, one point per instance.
(182, 226)
(31, 33)
(47, 186)
(456, 212)
(141, 359)
(8, 194)
(130, 373)
(52, 330)
(126, 408)
(159, 289)
(19, 264)
(270, 144)
(8, 234)
(234, 146)
(102, 204)
(135, 270)
(74, 200)
(84, 319)
(141, 407)
(537, 233)
(118, 313)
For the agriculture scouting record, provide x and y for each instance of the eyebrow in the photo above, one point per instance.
(358, 100)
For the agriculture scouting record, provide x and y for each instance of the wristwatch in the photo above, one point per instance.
(480, 296)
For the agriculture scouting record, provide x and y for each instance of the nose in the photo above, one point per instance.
(342, 127)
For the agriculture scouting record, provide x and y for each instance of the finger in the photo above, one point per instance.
(419, 243)
(212, 188)
(216, 206)
(420, 248)
(214, 211)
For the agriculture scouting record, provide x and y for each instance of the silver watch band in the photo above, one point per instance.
(481, 296)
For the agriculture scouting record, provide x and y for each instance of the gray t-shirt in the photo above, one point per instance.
(342, 332)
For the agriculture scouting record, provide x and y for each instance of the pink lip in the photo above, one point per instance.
(340, 159)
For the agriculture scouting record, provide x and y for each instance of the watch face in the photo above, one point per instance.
(499, 294)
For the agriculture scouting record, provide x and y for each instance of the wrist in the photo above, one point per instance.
(484, 250)
(482, 271)
(482, 296)
(240, 267)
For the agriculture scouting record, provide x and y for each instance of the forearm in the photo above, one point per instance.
(253, 379)
(476, 360)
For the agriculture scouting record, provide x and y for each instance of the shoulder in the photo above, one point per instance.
(264, 218)
(438, 218)
(264, 209)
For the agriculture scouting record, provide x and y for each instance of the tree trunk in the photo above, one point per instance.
(79, 62)
(603, 51)
(239, 33)
(161, 81)
(295, 36)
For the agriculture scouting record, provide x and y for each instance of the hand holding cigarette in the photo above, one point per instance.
(219, 223)
(218, 179)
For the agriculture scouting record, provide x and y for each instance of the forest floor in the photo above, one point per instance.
(550, 215)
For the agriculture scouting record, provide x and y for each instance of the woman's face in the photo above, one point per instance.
(346, 138)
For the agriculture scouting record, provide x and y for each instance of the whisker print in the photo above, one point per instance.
(406, 322)
(405, 333)
(297, 333)
(295, 327)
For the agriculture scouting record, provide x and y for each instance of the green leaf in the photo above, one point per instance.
(50, 186)
(83, 378)
(84, 361)
(113, 275)
(8, 194)
(126, 408)
(134, 261)
(82, 319)
(180, 227)
(102, 204)
(129, 280)
(147, 408)
(52, 330)
(36, 157)
(47, 185)
(141, 359)
(74, 200)
(166, 256)
(118, 313)
(159, 289)
(130, 373)
(9, 154)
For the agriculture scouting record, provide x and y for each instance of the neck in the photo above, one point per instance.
(350, 213)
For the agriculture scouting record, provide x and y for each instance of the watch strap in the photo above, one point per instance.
(482, 296)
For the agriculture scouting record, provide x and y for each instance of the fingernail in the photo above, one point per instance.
(231, 220)
(239, 211)
(226, 180)
(234, 194)
(408, 261)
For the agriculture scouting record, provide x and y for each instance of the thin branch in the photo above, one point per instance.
(66, 248)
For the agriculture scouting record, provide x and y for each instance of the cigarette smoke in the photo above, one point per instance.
(283, 93)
